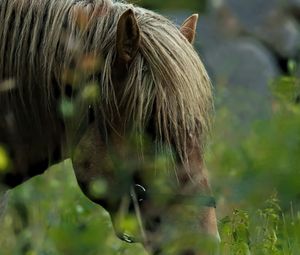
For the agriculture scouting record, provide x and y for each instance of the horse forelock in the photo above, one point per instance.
(166, 79)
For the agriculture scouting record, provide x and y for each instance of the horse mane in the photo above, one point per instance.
(167, 79)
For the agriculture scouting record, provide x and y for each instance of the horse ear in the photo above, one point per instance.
(128, 36)
(188, 28)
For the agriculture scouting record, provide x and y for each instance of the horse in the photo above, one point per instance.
(151, 87)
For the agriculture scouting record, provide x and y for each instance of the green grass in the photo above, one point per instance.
(50, 215)
(255, 177)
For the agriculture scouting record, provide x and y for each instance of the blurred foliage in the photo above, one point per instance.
(50, 215)
(4, 160)
(266, 231)
(264, 159)
(259, 168)
(254, 174)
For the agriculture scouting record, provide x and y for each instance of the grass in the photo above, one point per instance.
(255, 175)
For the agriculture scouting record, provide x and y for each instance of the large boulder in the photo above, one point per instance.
(242, 62)
(266, 20)
(293, 3)
(242, 70)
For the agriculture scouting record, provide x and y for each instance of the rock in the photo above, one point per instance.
(293, 3)
(242, 62)
(241, 70)
(234, 62)
(208, 33)
(293, 7)
(265, 20)
(282, 34)
(240, 67)
(251, 13)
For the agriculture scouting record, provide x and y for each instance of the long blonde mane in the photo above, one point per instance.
(166, 78)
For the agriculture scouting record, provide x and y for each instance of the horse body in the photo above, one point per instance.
(150, 79)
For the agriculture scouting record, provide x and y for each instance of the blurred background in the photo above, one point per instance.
(251, 51)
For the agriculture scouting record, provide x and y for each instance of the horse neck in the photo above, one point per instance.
(32, 133)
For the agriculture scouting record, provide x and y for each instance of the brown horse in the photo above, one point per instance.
(78, 78)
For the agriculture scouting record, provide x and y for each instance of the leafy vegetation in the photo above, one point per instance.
(255, 177)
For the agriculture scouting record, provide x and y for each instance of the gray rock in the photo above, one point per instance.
(252, 13)
(241, 71)
(209, 35)
(208, 32)
(267, 21)
(242, 62)
(293, 3)
(282, 34)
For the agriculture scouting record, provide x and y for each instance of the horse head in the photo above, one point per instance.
(144, 133)
(161, 119)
